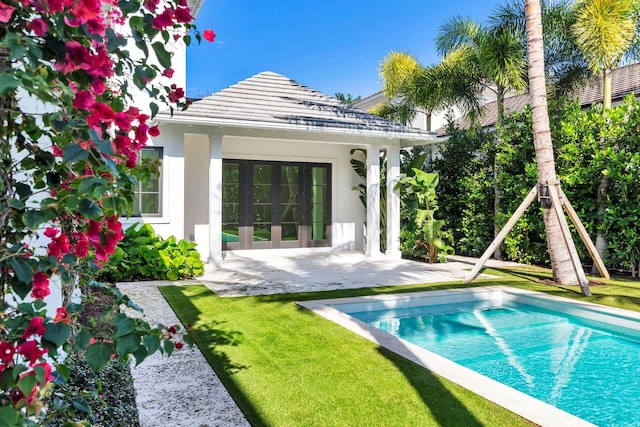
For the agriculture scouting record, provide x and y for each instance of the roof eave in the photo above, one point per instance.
(406, 138)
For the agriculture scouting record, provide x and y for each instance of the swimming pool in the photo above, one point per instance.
(552, 360)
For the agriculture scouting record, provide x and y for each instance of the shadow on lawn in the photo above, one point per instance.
(444, 406)
(210, 337)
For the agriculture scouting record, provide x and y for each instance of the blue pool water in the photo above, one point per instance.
(586, 370)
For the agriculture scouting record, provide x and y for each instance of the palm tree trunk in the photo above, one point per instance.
(606, 93)
(563, 269)
(497, 193)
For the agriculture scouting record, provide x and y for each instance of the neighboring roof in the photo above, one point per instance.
(624, 80)
(194, 6)
(273, 101)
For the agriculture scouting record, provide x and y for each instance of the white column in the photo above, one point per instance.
(393, 203)
(215, 200)
(373, 202)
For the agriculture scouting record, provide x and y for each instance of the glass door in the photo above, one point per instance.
(275, 204)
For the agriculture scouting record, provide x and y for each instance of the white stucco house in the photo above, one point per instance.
(265, 164)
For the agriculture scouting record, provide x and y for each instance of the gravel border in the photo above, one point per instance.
(181, 390)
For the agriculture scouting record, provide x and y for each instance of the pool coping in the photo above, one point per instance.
(518, 402)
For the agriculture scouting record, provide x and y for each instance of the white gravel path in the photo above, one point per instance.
(181, 390)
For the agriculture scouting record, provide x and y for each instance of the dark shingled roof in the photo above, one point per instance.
(273, 101)
(625, 80)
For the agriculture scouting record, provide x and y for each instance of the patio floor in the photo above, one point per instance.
(184, 391)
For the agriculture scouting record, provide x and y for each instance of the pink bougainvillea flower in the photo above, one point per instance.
(151, 5)
(209, 35)
(31, 351)
(165, 19)
(62, 316)
(176, 94)
(179, 345)
(6, 12)
(39, 26)
(59, 245)
(154, 131)
(183, 15)
(84, 99)
(7, 350)
(40, 289)
(36, 327)
(168, 72)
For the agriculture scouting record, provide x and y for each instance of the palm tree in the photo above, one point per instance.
(492, 54)
(565, 66)
(412, 88)
(559, 247)
(605, 30)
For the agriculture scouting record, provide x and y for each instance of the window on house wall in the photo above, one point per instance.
(147, 198)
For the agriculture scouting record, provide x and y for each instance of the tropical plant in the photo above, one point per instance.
(560, 245)
(605, 31)
(348, 98)
(419, 202)
(143, 255)
(565, 66)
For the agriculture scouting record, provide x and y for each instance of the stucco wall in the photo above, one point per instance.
(186, 182)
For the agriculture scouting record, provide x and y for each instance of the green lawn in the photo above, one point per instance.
(286, 366)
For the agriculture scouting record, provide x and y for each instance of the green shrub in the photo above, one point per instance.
(107, 396)
(143, 255)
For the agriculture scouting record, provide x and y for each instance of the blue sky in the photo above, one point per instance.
(331, 46)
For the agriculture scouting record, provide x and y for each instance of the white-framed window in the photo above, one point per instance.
(148, 196)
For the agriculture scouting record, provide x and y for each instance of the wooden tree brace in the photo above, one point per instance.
(503, 233)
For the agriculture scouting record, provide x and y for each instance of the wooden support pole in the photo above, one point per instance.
(573, 215)
(566, 233)
(503, 233)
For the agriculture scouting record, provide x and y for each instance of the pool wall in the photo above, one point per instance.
(520, 403)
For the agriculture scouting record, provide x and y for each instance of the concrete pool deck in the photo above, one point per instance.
(183, 390)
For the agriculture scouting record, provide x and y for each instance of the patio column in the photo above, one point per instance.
(215, 200)
(393, 202)
(373, 202)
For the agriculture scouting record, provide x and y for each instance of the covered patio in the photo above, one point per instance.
(266, 164)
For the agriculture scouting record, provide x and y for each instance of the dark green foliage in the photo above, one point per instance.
(517, 174)
(108, 395)
(588, 146)
(465, 191)
(143, 255)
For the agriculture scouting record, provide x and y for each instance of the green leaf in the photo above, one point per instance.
(98, 355)
(113, 40)
(63, 370)
(154, 109)
(69, 259)
(124, 325)
(128, 344)
(16, 204)
(27, 384)
(9, 417)
(81, 404)
(82, 339)
(88, 184)
(168, 347)
(57, 333)
(90, 209)
(21, 268)
(8, 83)
(33, 219)
(20, 288)
(140, 354)
(164, 57)
(74, 153)
(151, 342)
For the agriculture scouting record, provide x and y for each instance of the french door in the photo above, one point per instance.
(275, 204)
